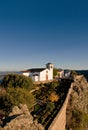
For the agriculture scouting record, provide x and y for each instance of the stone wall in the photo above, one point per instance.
(59, 122)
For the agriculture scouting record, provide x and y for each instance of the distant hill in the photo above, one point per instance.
(3, 73)
(84, 72)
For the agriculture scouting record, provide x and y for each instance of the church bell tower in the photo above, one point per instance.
(50, 67)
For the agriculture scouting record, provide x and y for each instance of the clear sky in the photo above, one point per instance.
(34, 32)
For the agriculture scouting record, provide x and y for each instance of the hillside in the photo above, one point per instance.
(49, 99)
(77, 109)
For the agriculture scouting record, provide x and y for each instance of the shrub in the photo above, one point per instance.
(55, 72)
(50, 106)
(15, 80)
(79, 120)
(54, 84)
(15, 96)
(53, 97)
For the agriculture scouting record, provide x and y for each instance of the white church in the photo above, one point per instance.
(40, 74)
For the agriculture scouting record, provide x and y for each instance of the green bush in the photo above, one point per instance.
(15, 96)
(15, 80)
(79, 120)
(50, 106)
(55, 72)
(54, 84)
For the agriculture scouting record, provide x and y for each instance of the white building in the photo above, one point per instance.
(67, 73)
(61, 73)
(40, 74)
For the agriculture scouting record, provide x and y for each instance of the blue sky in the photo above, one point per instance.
(34, 32)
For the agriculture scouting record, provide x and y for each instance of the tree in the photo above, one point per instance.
(55, 72)
(15, 96)
(53, 97)
(15, 80)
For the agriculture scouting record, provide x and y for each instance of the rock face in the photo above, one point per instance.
(21, 119)
(78, 101)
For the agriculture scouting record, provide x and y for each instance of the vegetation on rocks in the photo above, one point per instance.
(15, 89)
(44, 102)
(49, 99)
(15, 96)
(77, 109)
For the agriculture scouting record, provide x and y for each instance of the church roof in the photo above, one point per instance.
(34, 70)
(37, 69)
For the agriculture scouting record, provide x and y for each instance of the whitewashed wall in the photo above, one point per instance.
(43, 75)
(26, 74)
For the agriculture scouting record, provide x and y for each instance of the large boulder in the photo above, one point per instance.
(21, 119)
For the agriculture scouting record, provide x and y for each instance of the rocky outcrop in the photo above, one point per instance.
(21, 119)
(78, 102)
(77, 99)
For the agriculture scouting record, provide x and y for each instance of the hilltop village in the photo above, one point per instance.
(37, 99)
